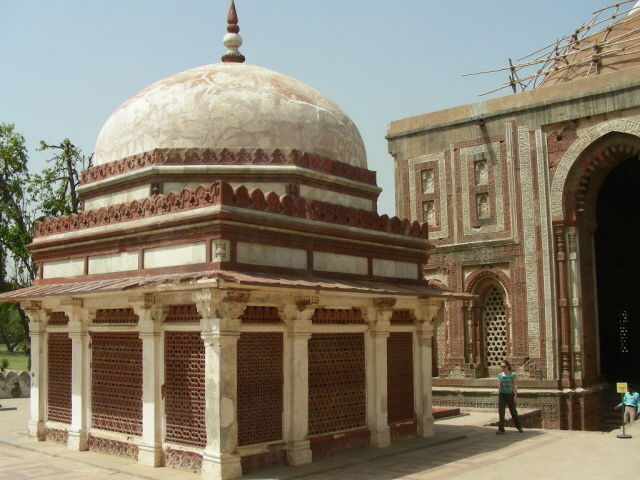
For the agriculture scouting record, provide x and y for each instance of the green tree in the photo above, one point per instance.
(12, 331)
(16, 221)
(24, 198)
(56, 185)
(17, 269)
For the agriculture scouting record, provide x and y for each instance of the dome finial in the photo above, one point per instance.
(232, 40)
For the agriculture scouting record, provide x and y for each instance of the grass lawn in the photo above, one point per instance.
(17, 360)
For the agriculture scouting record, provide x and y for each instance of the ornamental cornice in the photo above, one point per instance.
(228, 156)
(221, 193)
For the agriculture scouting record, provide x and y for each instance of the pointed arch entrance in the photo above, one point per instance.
(597, 248)
(617, 248)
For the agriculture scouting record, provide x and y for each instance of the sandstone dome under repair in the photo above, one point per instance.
(230, 105)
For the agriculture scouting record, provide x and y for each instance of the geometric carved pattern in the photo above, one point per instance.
(260, 381)
(482, 202)
(530, 230)
(184, 389)
(116, 379)
(112, 447)
(495, 327)
(182, 460)
(262, 315)
(337, 383)
(59, 378)
(402, 317)
(183, 314)
(56, 435)
(337, 316)
(58, 318)
(429, 192)
(115, 315)
(400, 376)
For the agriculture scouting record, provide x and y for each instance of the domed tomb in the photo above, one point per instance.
(230, 105)
(241, 123)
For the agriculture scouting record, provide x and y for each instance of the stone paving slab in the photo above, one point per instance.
(463, 448)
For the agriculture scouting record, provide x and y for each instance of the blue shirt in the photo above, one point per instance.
(631, 400)
(506, 383)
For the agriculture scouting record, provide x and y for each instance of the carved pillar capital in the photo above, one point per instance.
(306, 302)
(427, 310)
(379, 315)
(220, 304)
(143, 301)
(37, 316)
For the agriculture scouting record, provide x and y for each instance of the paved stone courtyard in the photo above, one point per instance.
(463, 448)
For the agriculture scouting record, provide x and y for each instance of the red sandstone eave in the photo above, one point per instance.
(227, 156)
(221, 193)
(230, 278)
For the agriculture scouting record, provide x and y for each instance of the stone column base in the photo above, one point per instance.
(150, 455)
(221, 466)
(380, 438)
(36, 430)
(78, 440)
(425, 429)
(299, 453)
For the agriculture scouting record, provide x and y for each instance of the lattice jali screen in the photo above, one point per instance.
(623, 322)
(116, 315)
(116, 379)
(184, 389)
(58, 318)
(183, 314)
(264, 315)
(402, 317)
(59, 360)
(337, 382)
(260, 380)
(400, 376)
(495, 328)
(337, 316)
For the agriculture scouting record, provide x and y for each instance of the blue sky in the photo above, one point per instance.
(67, 65)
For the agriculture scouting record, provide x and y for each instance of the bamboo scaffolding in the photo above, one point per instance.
(591, 42)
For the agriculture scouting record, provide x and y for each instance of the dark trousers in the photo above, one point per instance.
(505, 399)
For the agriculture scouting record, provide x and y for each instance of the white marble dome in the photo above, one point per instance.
(230, 105)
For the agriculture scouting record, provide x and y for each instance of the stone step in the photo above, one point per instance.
(445, 412)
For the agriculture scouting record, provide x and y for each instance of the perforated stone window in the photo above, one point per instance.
(184, 388)
(59, 380)
(495, 327)
(260, 385)
(337, 382)
(623, 321)
(400, 376)
(116, 381)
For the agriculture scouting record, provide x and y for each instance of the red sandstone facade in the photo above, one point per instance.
(526, 197)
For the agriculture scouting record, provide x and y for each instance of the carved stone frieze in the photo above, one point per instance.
(221, 193)
(71, 302)
(227, 156)
(529, 240)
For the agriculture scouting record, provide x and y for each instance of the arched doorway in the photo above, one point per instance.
(617, 254)
(589, 194)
